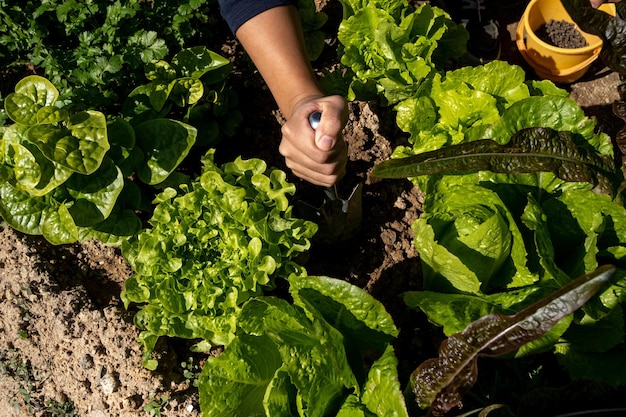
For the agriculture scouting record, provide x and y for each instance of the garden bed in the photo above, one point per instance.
(66, 338)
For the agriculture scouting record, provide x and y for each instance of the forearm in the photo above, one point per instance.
(274, 42)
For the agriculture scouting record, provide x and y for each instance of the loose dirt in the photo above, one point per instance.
(561, 34)
(66, 339)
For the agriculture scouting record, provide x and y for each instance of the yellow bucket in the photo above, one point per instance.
(562, 65)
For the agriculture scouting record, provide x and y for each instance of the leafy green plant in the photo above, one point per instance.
(74, 175)
(491, 101)
(498, 231)
(312, 23)
(93, 50)
(29, 394)
(191, 372)
(439, 384)
(493, 238)
(213, 243)
(59, 178)
(47, 156)
(495, 247)
(60, 409)
(328, 353)
(156, 404)
(191, 88)
(216, 247)
(393, 48)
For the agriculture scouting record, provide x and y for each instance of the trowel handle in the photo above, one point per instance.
(314, 121)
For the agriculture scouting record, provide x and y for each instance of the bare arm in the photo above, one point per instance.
(274, 42)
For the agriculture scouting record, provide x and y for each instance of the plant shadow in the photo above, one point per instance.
(69, 269)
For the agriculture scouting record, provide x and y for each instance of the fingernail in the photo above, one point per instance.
(325, 143)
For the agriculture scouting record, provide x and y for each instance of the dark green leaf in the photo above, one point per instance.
(198, 61)
(165, 144)
(120, 224)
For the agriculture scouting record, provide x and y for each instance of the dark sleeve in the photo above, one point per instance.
(237, 12)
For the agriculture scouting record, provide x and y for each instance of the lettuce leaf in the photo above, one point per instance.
(440, 383)
(236, 382)
(298, 359)
(530, 150)
(312, 352)
(214, 243)
(554, 112)
(470, 241)
(393, 50)
(458, 101)
(611, 29)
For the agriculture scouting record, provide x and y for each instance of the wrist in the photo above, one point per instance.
(301, 99)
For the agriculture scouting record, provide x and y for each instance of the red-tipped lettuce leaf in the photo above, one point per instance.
(530, 150)
(619, 109)
(440, 383)
(611, 29)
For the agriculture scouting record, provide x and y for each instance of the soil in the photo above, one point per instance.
(66, 340)
(562, 34)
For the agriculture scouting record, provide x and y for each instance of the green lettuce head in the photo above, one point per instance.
(469, 242)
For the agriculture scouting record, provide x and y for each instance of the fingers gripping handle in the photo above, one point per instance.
(314, 121)
(341, 218)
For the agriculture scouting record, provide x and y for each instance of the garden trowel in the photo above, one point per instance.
(338, 219)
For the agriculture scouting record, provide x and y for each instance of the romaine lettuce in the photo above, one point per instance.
(469, 241)
(328, 353)
(495, 242)
(393, 50)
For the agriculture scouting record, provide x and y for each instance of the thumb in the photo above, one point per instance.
(324, 142)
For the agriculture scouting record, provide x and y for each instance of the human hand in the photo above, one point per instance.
(317, 156)
(597, 3)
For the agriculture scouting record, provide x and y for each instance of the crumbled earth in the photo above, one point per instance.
(66, 340)
(562, 34)
(65, 336)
